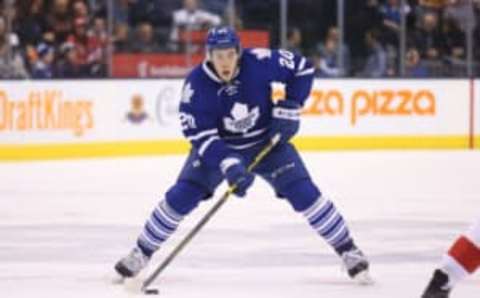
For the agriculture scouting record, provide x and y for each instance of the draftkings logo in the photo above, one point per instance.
(46, 110)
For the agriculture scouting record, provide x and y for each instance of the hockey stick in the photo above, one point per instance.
(260, 156)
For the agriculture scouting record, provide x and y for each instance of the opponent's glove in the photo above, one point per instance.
(285, 119)
(236, 174)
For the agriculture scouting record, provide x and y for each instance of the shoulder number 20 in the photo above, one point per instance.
(286, 59)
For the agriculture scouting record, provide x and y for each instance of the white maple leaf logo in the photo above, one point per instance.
(239, 111)
(187, 93)
(242, 118)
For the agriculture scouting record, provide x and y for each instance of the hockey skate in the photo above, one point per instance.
(132, 264)
(437, 286)
(356, 264)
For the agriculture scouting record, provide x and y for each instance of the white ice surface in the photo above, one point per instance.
(64, 224)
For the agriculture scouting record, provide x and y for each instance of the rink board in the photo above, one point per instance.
(68, 119)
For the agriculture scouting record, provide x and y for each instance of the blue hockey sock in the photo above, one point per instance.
(162, 223)
(329, 223)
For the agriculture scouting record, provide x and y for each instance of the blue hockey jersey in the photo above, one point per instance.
(220, 118)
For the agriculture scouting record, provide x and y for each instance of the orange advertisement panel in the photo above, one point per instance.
(388, 107)
(41, 112)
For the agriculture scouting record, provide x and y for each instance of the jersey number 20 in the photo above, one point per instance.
(286, 59)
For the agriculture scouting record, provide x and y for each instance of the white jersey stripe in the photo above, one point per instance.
(302, 64)
(206, 144)
(202, 134)
(245, 146)
(247, 135)
(305, 72)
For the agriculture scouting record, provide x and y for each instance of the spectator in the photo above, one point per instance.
(121, 12)
(392, 14)
(145, 42)
(461, 12)
(12, 64)
(79, 39)
(122, 38)
(80, 10)
(294, 41)
(190, 17)
(435, 4)
(156, 12)
(362, 16)
(428, 38)
(44, 67)
(414, 66)
(428, 7)
(327, 55)
(67, 64)
(454, 39)
(97, 47)
(86, 47)
(31, 22)
(326, 61)
(59, 20)
(217, 7)
(99, 7)
(376, 64)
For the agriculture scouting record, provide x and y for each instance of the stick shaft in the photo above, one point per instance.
(260, 156)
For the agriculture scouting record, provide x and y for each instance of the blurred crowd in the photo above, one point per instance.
(74, 38)
(435, 40)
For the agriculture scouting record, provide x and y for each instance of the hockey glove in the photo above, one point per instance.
(236, 174)
(285, 119)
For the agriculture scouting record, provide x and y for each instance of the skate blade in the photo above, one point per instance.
(115, 278)
(363, 278)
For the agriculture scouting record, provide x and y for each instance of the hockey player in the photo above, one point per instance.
(227, 114)
(462, 259)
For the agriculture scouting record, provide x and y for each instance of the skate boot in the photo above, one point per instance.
(437, 288)
(132, 264)
(356, 264)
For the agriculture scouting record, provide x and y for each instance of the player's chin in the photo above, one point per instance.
(226, 76)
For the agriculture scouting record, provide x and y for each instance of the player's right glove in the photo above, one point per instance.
(236, 173)
(285, 119)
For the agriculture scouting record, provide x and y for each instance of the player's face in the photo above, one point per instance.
(225, 62)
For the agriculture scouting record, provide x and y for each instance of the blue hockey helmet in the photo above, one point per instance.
(222, 37)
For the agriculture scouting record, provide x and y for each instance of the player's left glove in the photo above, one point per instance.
(237, 174)
(285, 119)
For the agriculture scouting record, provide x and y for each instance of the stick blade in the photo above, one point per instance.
(151, 291)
